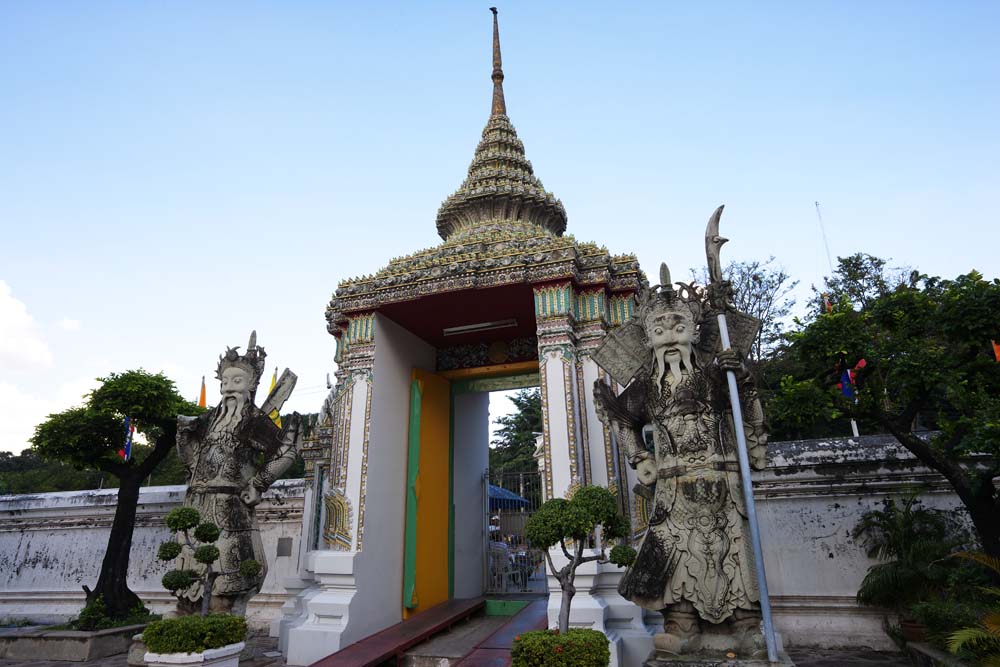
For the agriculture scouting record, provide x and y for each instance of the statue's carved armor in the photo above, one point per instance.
(697, 547)
(232, 455)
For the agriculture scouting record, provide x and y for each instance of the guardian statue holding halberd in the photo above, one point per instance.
(233, 454)
(695, 562)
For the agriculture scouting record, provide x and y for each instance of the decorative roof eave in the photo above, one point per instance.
(489, 260)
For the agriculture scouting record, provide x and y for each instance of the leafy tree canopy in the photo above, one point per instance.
(513, 449)
(929, 364)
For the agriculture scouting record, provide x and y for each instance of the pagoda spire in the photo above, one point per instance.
(501, 190)
(499, 105)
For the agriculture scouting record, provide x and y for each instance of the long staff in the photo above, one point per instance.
(713, 242)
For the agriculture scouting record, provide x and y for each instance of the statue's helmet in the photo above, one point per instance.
(252, 363)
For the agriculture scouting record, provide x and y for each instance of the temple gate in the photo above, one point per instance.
(393, 510)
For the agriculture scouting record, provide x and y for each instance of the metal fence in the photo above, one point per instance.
(511, 565)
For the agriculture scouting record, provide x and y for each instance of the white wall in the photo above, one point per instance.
(52, 544)
(379, 567)
(471, 437)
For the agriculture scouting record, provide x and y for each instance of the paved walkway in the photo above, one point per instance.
(811, 657)
(265, 655)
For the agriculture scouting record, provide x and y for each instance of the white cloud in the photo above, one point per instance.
(69, 325)
(25, 411)
(21, 344)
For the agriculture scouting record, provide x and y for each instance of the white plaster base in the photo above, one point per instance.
(322, 627)
(224, 656)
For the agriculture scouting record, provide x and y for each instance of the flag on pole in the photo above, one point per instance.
(826, 303)
(996, 350)
(275, 417)
(201, 398)
(126, 452)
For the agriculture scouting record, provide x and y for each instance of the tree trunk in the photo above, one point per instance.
(568, 591)
(984, 513)
(981, 506)
(112, 585)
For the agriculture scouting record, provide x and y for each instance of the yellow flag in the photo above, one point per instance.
(201, 398)
(275, 417)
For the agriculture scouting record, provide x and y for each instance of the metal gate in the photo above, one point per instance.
(510, 564)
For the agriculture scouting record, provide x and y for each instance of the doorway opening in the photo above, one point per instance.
(512, 492)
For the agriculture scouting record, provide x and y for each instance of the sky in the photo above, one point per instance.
(174, 175)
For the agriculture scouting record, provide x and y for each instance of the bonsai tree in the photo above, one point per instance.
(93, 437)
(187, 522)
(576, 519)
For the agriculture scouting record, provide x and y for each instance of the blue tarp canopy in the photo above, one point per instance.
(502, 499)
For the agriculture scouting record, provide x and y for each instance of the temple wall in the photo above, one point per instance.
(809, 499)
(52, 544)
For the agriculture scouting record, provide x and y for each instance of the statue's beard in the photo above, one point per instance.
(230, 411)
(674, 364)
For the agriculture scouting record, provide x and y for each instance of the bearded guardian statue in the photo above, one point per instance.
(695, 562)
(233, 454)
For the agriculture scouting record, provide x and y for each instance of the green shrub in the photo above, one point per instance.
(169, 551)
(206, 553)
(94, 616)
(548, 648)
(178, 580)
(182, 518)
(206, 532)
(194, 634)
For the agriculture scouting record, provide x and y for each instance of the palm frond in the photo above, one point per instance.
(969, 637)
(991, 562)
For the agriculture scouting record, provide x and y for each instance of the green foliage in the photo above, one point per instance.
(514, 447)
(249, 568)
(931, 379)
(912, 542)
(545, 527)
(578, 647)
(169, 551)
(622, 555)
(194, 634)
(182, 518)
(558, 519)
(28, 472)
(981, 639)
(206, 554)
(90, 436)
(95, 616)
(206, 532)
(178, 580)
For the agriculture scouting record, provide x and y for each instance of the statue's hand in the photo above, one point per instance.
(186, 424)
(645, 470)
(250, 496)
(291, 434)
(729, 360)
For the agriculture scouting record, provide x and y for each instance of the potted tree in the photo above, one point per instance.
(203, 639)
(911, 542)
(557, 522)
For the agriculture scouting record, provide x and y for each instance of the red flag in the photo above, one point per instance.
(996, 350)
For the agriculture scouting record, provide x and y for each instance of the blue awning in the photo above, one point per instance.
(502, 499)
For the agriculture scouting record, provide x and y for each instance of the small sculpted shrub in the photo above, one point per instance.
(187, 522)
(95, 617)
(194, 634)
(578, 647)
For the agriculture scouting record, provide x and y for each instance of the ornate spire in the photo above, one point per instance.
(501, 187)
(499, 106)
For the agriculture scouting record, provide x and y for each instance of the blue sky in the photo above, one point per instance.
(173, 175)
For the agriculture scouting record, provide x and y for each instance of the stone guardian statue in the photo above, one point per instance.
(695, 562)
(233, 454)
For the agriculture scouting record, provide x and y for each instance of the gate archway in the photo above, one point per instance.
(504, 295)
